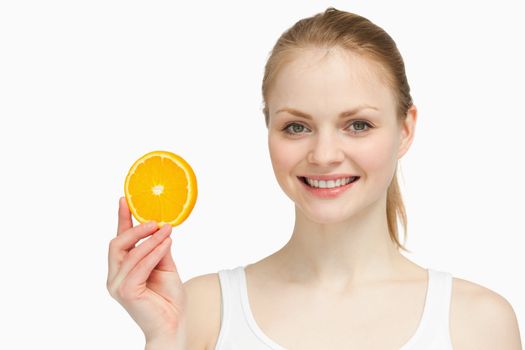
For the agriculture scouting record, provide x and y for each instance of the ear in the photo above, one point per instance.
(408, 128)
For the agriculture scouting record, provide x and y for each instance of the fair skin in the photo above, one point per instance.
(143, 278)
(339, 282)
(342, 242)
(340, 252)
(340, 279)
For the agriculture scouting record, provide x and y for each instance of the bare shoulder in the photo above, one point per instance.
(203, 296)
(480, 318)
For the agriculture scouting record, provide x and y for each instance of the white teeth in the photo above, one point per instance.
(329, 183)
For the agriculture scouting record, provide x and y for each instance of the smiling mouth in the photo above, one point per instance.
(352, 180)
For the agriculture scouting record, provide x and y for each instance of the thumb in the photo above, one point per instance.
(124, 216)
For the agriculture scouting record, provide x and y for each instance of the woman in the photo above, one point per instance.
(339, 114)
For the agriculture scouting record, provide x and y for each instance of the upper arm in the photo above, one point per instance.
(490, 322)
(497, 324)
(203, 311)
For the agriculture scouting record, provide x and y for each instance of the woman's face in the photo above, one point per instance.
(367, 143)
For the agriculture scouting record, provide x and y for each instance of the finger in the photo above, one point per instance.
(120, 245)
(167, 263)
(139, 252)
(141, 272)
(124, 216)
(127, 240)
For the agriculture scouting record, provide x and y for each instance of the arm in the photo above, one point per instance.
(500, 326)
(494, 323)
(176, 341)
(166, 344)
(199, 330)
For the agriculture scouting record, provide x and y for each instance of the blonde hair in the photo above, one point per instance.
(335, 28)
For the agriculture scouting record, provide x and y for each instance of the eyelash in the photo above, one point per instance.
(368, 127)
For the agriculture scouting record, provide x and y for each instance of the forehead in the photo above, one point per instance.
(322, 81)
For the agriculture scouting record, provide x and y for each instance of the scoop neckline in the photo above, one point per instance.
(275, 346)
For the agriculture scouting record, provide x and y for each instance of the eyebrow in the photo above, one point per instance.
(341, 115)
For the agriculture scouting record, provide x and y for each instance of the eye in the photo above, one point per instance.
(360, 126)
(293, 128)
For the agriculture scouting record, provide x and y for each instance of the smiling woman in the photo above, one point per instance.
(339, 115)
(366, 139)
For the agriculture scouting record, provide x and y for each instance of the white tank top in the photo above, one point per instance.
(239, 331)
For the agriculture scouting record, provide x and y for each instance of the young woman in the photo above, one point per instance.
(339, 115)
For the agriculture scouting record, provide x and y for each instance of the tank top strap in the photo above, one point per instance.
(226, 300)
(233, 329)
(440, 295)
(434, 327)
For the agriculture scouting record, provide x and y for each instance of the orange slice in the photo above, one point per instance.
(161, 186)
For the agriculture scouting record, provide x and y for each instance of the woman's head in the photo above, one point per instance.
(322, 66)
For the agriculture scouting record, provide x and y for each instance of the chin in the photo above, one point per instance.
(326, 215)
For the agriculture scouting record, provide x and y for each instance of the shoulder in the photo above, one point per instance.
(481, 318)
(203, 297)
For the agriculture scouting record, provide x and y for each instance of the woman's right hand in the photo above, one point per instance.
(144, 278)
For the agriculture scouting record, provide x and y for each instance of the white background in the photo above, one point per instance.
(87, 87)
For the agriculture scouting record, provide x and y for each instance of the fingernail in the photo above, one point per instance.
(151, 224)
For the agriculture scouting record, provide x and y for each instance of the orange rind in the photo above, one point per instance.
(161, 186)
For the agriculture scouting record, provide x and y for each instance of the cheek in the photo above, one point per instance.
(284, 155)
(377, 157)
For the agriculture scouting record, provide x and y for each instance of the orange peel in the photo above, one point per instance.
(161, 186)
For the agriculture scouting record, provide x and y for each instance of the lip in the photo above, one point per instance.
(328, 177)
(327, 192)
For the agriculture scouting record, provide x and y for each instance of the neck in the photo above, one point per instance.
(354, 252)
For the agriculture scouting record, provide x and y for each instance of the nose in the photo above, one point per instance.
(327, 150)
